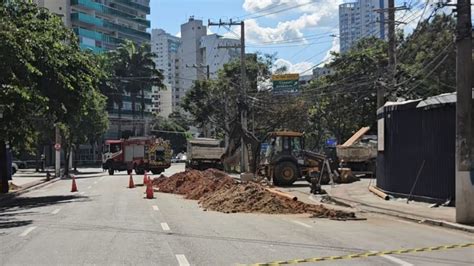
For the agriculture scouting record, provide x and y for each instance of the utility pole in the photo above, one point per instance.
(391, 9)
(208, 73)
(243, 91)
(464, 116)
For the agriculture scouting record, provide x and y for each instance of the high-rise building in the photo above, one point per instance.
(186, 59)
(102, 25)
(200, 51)
(165, 47)
(360, 19)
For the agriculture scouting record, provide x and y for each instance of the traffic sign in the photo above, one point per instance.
(57, 146)
(285, 83)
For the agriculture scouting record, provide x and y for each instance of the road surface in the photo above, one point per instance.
(106, 223)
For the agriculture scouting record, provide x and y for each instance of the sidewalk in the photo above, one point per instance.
(358, 196)
(27, 179)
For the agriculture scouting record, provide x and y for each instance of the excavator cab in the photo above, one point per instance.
(281, 152)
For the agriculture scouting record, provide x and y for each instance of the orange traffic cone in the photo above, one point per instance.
(145, 179)
(130, 182)
(149, 191)
(74, 186)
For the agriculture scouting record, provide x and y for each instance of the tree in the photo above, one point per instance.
(135, 72)
(43, 74)
(427, 60)
(171, 129)
(346, 100)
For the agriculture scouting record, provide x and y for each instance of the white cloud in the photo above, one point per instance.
(334, 48)
(311, 16)
(293, 68)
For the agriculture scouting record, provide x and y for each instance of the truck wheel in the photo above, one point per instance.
(111, 171)
(157, 171)
(286, 174)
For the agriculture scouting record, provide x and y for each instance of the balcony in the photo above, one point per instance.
(134, 5)
(89, 4)
(97, 36)
(93, 21)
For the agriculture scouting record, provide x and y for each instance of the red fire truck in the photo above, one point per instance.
(137, 153)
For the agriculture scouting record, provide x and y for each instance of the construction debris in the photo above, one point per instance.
(217, 191)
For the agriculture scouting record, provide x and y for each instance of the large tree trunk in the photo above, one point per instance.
(3, 168)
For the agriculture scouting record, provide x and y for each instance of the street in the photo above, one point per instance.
(107, 223)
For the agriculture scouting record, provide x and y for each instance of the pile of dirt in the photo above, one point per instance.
(217, 191)
(253, 197)
(193, 184)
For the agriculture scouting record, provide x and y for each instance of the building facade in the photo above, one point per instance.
(102, 25)
(165, 47)
(188, 58)
(360, 19)
(319, 72)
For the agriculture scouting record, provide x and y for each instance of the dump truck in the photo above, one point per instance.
(137, 153)
(359, 153)
(204, 153)
(283, 160)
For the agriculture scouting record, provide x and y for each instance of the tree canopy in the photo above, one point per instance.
(44, 76)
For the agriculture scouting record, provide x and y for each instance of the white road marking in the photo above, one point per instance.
(155, 208)
(302, 224)
(395, 260)
(56, 211)
(27, 231)
(182, 261)
(165, 227)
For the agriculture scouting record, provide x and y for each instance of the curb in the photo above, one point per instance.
(419, 220)
(32, 187)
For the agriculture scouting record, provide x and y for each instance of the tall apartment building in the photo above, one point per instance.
(184, 60)
(359, 19)
(199, 50)
(165, 46)
(102, 25)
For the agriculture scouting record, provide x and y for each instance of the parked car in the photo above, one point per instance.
(14, 168)
(20, 164)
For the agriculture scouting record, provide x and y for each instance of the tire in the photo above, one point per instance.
(111, 171)
(156, 171)
(286, 173)
(139, 171)
(129, 171)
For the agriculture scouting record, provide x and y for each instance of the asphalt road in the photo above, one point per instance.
(106, 223)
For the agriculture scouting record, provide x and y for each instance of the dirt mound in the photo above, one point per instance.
(193, 184)
(217, 191)
(253, 197)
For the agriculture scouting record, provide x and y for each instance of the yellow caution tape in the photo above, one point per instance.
(365, 255)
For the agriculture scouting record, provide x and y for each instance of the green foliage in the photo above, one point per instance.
(346, 100)
(173, 129)
(46, 79)
(426, 60)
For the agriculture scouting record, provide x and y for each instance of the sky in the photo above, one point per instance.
(300, 34)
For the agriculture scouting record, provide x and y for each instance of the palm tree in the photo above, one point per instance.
(135, 68)
(111, 87)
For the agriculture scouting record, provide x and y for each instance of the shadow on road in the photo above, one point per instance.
(12, 210)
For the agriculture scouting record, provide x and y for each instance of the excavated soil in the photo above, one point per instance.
(217, 191)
